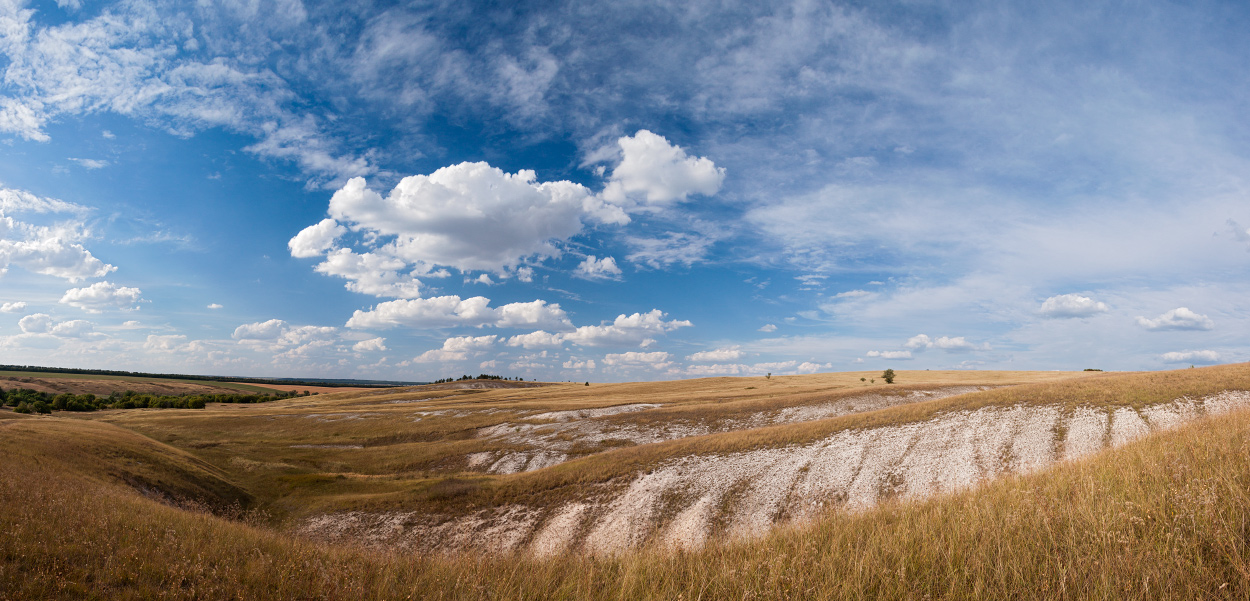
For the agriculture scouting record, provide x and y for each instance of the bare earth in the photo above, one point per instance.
(687, 500)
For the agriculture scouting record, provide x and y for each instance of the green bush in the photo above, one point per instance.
(41, 407)
(888, 376)
(22, 407)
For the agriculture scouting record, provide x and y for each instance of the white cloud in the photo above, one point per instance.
(126, 61)
(768, 327)
(1071, 305)
(889, 354)
(445, 311)
(38, 323)
(670, 249)
(470, 343)
(91, 163)
(808, 367)
(13, 307)
(371, 273)
(854, 294)
(1191, 357)
(535, 340)
(654, 172)
(655, 360)
(214, 306)
(458, 349)
(277, 335)
(372, 344)
(41, 323)
(1180, 318)
(921, 342)
(598, 269)
(54, 250)
(169, 342)
(103, 295)
(625, 330)
(264, 330)
(472, 216)
(314, 240)
(725, 354)
(578, 364)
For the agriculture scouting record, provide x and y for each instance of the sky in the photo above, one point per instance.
(619, 191)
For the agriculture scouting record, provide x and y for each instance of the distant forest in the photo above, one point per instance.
(139, 374)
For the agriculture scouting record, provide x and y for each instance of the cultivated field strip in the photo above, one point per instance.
(685, 501)
(548, 438)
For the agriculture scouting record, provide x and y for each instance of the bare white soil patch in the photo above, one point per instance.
(547, 438)
(683, 502)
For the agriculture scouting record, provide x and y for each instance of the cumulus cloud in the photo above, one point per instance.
(768, 328)
(263, 330)
(38, 323)
(921, 342)
(375, 274)
(54, 250)
(316, 239)
(214, 306)
(626, 330)
(101, 296)
(13, 307)
(579, 364)
(598, 269)
(1180, 318)
(654, 172)
(1071, 305)
(458, 349)
(889, 354)
(807, 367)
(170, 342)
(372, 344)
(732, 353)
(276, 334)
(42, 323)
(472, 216)
(446, 311)
(654, 360)
(1191, 357)
(739, 369)
(537, 340)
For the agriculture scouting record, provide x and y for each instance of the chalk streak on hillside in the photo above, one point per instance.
(687, 500)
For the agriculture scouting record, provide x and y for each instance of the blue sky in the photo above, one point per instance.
(621, 191)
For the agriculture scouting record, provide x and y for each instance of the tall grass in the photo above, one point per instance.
(1165, 517)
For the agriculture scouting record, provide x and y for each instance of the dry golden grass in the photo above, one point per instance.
(1165, 517)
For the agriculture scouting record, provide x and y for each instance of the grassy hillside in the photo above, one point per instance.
(97, 510)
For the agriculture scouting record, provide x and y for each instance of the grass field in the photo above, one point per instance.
(97, 384)
(205, 504)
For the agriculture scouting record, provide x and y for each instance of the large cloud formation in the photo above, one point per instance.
(54, 250)
(475, 217)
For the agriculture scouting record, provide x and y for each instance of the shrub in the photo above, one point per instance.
(41, 407)
(888, 376)
(22, 407)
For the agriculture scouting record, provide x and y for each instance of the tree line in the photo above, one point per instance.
(479, 377)
(26, 400)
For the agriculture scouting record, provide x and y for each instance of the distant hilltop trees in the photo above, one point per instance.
(25, 400)
(479, 377)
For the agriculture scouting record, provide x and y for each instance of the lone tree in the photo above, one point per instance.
(888, 376)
